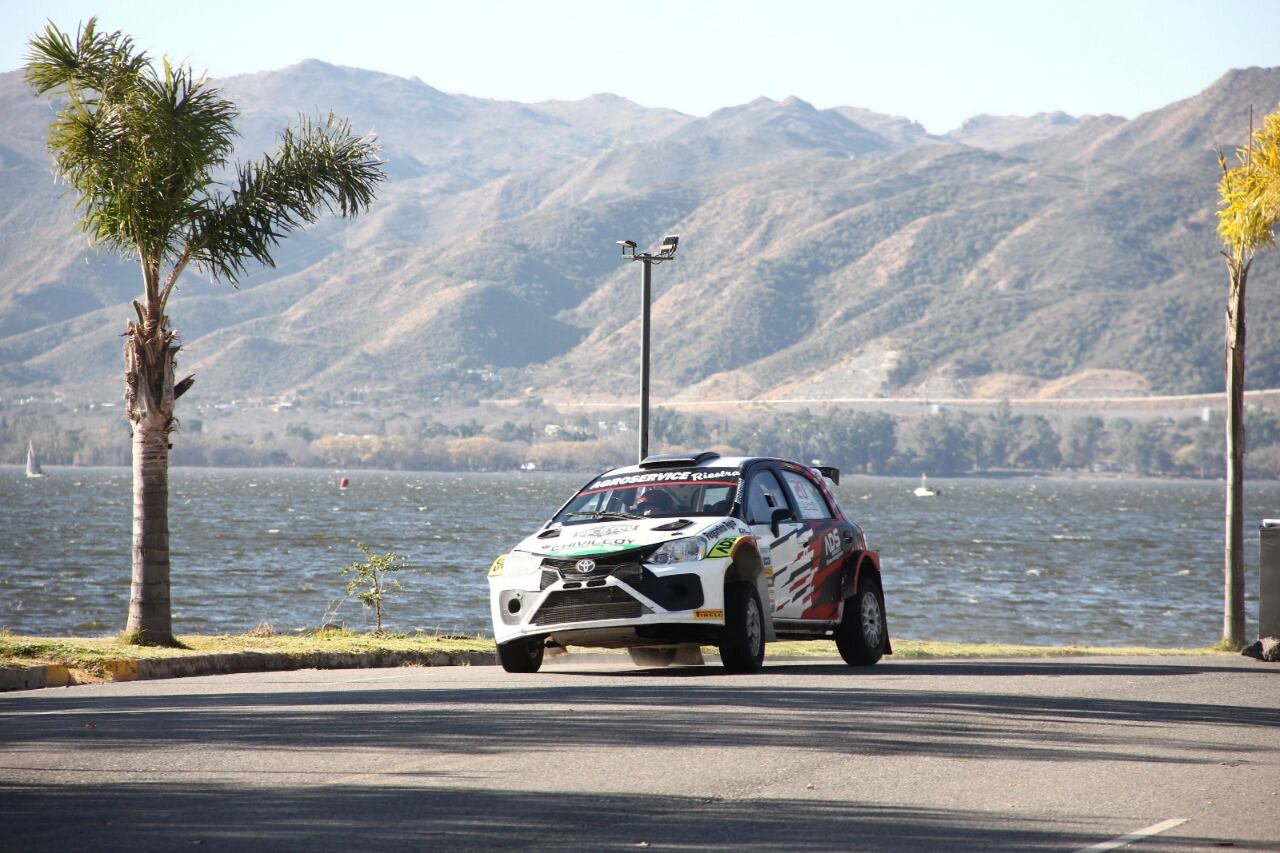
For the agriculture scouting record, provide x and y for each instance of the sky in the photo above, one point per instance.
(935, 62)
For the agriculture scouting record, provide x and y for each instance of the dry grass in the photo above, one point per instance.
(89, 653)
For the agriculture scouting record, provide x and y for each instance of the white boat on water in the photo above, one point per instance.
(923, 490)
(33, 465)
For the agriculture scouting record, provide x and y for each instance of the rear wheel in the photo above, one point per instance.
(742, 643)
(522, 655)
(648, 656)
(861, 636)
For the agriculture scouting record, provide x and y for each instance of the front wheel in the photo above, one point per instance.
(861, 636)
(742, 643)
(522, 655)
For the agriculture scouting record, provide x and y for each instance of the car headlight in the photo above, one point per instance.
(686, 550)
(515, 564)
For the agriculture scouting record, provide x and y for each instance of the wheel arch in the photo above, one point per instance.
(746, 566)
(865, 568)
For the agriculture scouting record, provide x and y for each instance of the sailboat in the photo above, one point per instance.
(923, 490)
(33, 465)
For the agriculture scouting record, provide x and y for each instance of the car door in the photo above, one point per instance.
(765, 495)
(823, 540)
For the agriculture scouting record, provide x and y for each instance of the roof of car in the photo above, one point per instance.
(655, 464)
(692, 460)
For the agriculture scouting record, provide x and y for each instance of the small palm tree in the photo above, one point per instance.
(1250, 207)
(140, 146)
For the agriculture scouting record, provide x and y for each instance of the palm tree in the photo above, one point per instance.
(140, 146)
(1250, 205)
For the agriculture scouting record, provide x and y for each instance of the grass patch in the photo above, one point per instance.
(89, 654)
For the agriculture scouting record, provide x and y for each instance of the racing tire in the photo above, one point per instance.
(742, 642)
(862, 635)
(651, 657)
(522, 655)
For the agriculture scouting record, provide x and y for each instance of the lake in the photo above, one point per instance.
(1029, 560)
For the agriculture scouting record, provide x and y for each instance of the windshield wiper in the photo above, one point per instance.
(606, 514)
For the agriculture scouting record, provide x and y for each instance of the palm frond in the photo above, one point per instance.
(138, 145)
(316, 168)
(94, 60)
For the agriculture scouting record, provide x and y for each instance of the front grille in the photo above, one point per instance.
(588, 605)
(625, 568)
(548, 578)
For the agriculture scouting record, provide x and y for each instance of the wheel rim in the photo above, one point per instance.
(872, 621)
(755, 628)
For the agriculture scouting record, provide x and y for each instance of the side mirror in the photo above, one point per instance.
(780, 515)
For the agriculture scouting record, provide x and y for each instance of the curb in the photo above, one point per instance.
(131, 669)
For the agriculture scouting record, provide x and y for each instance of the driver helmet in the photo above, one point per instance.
(655, 501)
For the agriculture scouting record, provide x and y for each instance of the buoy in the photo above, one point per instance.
(343, 483)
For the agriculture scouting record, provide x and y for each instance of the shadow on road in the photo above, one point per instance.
(922, 669)
(875, 717)
(171, 817)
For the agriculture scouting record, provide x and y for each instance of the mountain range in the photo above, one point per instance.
(825, 253)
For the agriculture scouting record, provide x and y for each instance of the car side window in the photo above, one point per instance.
(763, 497)
(811, 504)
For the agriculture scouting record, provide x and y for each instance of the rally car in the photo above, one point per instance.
(689, 550)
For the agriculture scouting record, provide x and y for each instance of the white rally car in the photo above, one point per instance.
(686, 550)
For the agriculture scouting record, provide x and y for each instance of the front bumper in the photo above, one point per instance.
(622, 603)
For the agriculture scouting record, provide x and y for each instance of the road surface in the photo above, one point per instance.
(912, 756)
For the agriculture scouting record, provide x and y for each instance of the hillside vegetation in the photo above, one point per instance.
(825, 253)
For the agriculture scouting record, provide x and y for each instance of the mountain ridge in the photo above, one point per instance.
(835, 252)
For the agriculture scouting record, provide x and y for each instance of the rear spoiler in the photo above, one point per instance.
(830, 472)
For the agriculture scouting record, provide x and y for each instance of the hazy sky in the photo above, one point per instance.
(936, 62)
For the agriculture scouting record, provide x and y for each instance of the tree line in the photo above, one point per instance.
(948, 443)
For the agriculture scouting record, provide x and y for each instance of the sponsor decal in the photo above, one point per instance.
(607, 530)
(697, 476)
(723, 548)
(588, 546)
(833, 545)
(580, 550)
(708, 614)
(723, 527)
(496, 568)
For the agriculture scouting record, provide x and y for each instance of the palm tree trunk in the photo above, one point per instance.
(150, 405)
(150, 621)
(1233, 564)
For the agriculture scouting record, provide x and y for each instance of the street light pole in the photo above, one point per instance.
(646, 289)
(665, 253)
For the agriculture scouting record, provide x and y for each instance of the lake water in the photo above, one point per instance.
(1032, 560)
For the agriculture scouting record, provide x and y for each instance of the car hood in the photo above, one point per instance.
(606, 537)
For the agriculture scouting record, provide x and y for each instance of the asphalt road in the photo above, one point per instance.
(945, 755)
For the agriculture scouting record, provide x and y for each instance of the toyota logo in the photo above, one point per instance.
(585, 566)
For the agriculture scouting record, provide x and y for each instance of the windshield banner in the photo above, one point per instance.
(697, 475)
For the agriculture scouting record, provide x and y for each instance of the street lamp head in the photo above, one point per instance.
(669, 244)
(627, 245)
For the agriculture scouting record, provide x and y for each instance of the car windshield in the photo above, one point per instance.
(657, 494)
